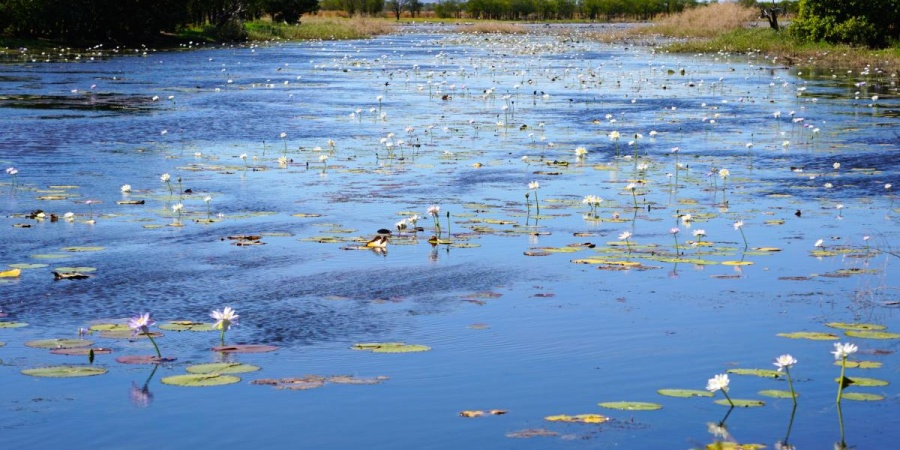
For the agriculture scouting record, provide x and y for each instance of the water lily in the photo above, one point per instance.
(244, 158)
(434, 210)
(14, 173)
(323, 159)
(674, 232)
(719, 383)
(699, 234)
(207, 199)
(739, 225)
(818, 244)
(614, 136)
(784, 363)
(592, 201)
(69, 216)
(224, 320)
(534, 186)
(624, 237)
(580, 152)
(841, 352)
(165, 178)
(140, 325)
(633, 188)
(126, 188)
(176, 208)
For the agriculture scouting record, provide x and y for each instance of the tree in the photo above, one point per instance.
(859, 22)
(290, 11)
(413, 6)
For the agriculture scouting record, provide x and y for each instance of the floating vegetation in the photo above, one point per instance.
(83, 249)
(12, 273)
(579, 418)
(864, 382)
(82, 351)
(245, 348)
(316, 381)
(186, 325)
(200, 380)
(775, 393)
(855, 326)
(684, 393)
(741, 403)
(390, 347)
(65, 371)
(531, 433)
(4, 324)
(631, 406)
(59, 343)
(144, 359)
(862, 397)
(814, 335)
(872, 334)
(861, 364)
(481, 413)
(100, 327)
(765, 373)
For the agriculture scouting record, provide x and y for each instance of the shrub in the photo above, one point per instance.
(857, 22)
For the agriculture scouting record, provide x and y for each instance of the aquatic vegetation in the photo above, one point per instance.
(224, 320)
(841, 352)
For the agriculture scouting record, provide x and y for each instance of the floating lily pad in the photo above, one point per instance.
(350, 379)
(684, 393)
(631, 406)
(59, 343)
(861, 397)
(580, 418)
(246, 348)
(13, 324)
(737, 263)
(128, 333)
(741, 403)
(186, 325)
(49, 256)
(82, 249)
(767, 249)
(109, 327)
(814, 335)
(12, 273)
(390, 347)
(200, 380)
(75, 269)
(65, 371)
(855, 326)
(861, 364)
(130, 202)
(872, 334)
(306, 215)
(765, 373)
(865, 382)
(727, 445)
(82, 351)
(776, 393)
(222, 368)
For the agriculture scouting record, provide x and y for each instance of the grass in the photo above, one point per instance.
(728, 27)
(319, 28)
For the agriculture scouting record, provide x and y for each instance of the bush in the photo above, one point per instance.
(231, 30)
(858, 22)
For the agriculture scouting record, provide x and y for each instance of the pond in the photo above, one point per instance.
(735, 201)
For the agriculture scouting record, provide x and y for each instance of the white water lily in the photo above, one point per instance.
(784, 362)
(718, 383)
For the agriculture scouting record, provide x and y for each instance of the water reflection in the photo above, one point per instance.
(141, 396)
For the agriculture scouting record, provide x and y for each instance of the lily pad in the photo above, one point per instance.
(59, 343)
(861, 364)
(741, 403)
(246, 348)
(684, 393)
(200, 380)
(865, 382)
(82, 249)
(75, 269)
(186, 325)
(726, 445)
(49, 256)
(390, 347)
(737, 263)
(580, 418)
(110, 327)
(27, 266)
(143, 359)
(13, 324)
(81, 351)
(65, 371)
(872, 334)
(128, 334)
(861, 396)
(776, 393)
(222, 368)
(814, 335)
(350, 379)
(632, 406)
(765, 373)
(856, 326)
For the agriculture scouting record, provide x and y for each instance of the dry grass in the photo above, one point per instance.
(707, 21)
(321, 27)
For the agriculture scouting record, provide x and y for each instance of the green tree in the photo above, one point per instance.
(858, 22)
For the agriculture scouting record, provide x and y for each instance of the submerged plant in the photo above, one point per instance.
(785, 362)
(141, 325)
(224, 320)
(720, 383)
(841, 352)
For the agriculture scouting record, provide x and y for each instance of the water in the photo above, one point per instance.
(535, 335)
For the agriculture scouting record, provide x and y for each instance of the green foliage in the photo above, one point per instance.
(857, 22)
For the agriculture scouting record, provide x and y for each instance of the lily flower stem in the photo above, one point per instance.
(841, 380)
(728, 398)
(152, 341)
(787, 372)
(744, 238)
(222, 336)
(634, 197)
(537, 205)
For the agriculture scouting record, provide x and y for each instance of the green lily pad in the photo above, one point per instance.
(631, 406)
(865, 382)
(814, 335)
(861, 364)
(82, 249)
(861, 397)
(109, 327)
(127, 333)
(684, 393)
(13, 324)
(81, 351)
(741, 403)
(872, 334)
(59, 343)
(65, 371)
(186, 325)
(222, 368)
(49, 256)
(75, 269)
(390, 347)
(765, 373)
(776, 393)
(856, 326)
(200, 380)
(306, 215)
(27, 266)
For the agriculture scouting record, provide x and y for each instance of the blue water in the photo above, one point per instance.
(557, 337)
